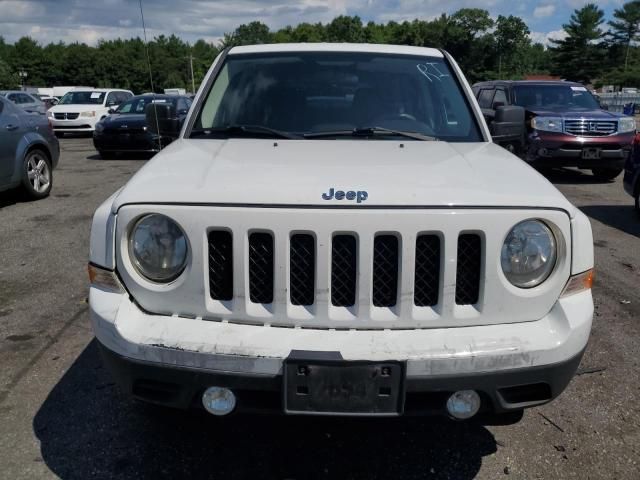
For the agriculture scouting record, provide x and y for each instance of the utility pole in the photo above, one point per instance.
(193, 81)
(23, 75)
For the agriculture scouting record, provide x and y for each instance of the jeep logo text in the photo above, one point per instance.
(359, 196)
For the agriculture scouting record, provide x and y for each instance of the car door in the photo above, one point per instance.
(10, 135)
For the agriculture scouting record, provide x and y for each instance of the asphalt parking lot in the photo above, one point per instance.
(62, 416)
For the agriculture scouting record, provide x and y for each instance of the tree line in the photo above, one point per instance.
(594, 50)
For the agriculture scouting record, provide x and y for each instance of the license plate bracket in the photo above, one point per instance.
(333, 386)
(591, 153)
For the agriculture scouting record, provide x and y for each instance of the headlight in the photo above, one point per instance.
(50, 114)
(547, 124)
(99, 127)
(528, 254)
(92, 113)
(158, 248)
(626, 125)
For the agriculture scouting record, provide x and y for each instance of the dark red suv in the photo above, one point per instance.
(564, 125)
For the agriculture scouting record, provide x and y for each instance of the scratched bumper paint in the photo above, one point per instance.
(260, 350)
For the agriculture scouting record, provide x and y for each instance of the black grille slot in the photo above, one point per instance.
(468, 269)
(220, 265)
(302, 258)
(343, 270)
(385, 271)
(261, 268)
(427, 274)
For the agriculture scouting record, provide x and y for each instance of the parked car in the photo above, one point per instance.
(80, 110)
(27, 102)
(125, 128)
(631, 179)
(333, 232)
(29, 151)
(564, 125)
(48, 101)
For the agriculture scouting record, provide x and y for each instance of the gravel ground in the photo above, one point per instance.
(62, 416)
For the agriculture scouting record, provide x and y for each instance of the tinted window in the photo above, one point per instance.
(485, 97)
(307, 92)
(554, 97)
(82, 98)
(138, 104)
(500, 97)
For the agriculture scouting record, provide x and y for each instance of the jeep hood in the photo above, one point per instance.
(298, 172)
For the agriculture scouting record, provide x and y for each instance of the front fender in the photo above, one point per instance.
(102, 241)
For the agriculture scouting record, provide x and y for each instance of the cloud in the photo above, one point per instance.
(544, 11)
(546, 37)
(88, 21)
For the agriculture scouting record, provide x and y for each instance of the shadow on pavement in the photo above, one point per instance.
(622, 217)
(570, 176)
(88, 429)
(122, 156)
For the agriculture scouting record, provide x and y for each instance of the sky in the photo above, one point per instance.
(90, 20)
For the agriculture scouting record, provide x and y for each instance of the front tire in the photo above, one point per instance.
(637, 201)
(606, 173)
(37, 175)
(107, 155)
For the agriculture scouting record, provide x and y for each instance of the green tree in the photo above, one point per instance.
(625, 29)
(512, 42)
(580, 55)
(8, 79)
(345, 29)
(247, 34)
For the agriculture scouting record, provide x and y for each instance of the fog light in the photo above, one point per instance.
(463, 404)
(218, 400)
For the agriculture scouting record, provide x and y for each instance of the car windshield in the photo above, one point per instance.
(82, 98)
(137, 105)
(310, 93)
(554, 97)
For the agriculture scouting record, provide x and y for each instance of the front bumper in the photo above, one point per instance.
(171, 360)
(81, 124)
(127, 142)
(546, 149)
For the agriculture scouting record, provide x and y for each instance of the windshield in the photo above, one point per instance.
(137, 105)
(554, 97)
(82, 98)
(312, 92)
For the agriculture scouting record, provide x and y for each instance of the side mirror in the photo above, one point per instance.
(161, 119)
(111, 111)
(508, 125)
(604, 107)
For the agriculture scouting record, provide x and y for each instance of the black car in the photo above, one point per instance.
(125, 129)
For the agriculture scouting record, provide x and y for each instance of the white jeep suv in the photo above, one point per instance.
(80, 110)
(335, 233)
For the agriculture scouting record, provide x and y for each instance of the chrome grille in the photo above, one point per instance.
(590, 128)
(65, 116)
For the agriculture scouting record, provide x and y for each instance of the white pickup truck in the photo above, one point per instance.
(335, 233)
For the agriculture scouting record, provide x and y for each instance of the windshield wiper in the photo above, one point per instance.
(371, 132)
(244, 130)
